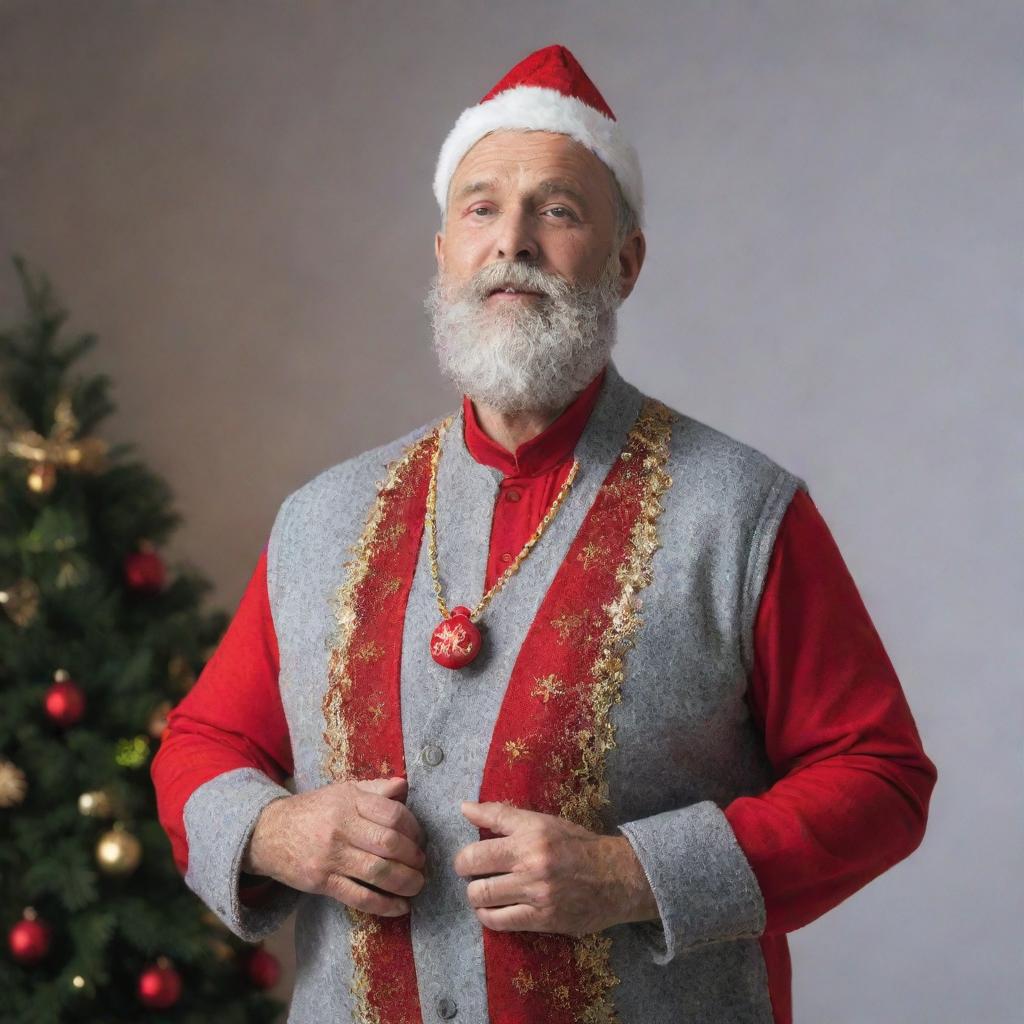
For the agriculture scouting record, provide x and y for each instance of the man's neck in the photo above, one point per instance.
(510, 430)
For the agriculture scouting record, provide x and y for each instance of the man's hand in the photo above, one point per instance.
(353, 841)
(550, 875)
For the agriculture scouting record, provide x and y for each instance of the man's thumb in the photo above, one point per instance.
(395, 787)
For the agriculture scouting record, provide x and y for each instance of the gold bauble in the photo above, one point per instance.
(21, 602)
(95, 804)
(158, 720)
(13, 784)
(42, 477)
(118, 852)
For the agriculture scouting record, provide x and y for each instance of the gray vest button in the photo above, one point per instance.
(432, 755)
(446, 1008)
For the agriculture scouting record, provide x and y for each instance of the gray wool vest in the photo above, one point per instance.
(685, 742)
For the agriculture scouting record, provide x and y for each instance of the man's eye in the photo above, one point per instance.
(480, 209)
(568, 213)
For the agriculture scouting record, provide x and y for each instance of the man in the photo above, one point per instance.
(583, 708)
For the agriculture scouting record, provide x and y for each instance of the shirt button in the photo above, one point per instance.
(511, 495)
(446, 1008)
(506, 557)
(432, 755)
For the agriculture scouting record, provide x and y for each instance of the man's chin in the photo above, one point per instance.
(517, 314)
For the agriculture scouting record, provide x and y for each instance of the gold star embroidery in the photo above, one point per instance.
(592, 552)
(523, 981)
(548, 687)
(370, 651)
(376, 712)
(393, 532)
(385, 768)
(515, 749)
(569, 623)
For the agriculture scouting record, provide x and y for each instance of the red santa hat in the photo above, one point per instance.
(547, 91)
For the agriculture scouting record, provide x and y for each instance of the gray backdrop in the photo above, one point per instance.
(236, 197)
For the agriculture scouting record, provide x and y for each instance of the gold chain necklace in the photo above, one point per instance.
(456, 640)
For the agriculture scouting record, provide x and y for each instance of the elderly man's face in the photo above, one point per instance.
(529, 272)
(535, 196)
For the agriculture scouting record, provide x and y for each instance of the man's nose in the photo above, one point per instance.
(515, 239)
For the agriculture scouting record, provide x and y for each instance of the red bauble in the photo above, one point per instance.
(29, 940)
(262, 968)
(144, 571)
(456, 641)
(65, 703)
(159, 985)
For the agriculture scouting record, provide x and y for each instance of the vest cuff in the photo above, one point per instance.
(703, 884)
(220, 817)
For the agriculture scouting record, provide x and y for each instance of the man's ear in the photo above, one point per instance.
(439, 251)
(631, 259)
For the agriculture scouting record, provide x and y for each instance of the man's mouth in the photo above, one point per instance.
(511, 292)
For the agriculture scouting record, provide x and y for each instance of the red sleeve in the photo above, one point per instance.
(231, 718)
(853, 782)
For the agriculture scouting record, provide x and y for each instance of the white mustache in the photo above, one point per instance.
(520, 277)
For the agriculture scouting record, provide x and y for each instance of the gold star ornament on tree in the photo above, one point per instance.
(63, 449)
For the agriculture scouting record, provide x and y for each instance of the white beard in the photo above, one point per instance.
(532, 354)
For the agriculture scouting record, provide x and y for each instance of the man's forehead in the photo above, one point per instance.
(550, 162)
(549, 186)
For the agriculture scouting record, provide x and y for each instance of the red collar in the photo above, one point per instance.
(549, 448)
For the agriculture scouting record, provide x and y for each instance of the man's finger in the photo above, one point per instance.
(396, 787)
(486, 857)
(385, 842)
(497, 891)
(389, 812)
(389, 876)
(519, 918)
(499, 817)
(350, 892)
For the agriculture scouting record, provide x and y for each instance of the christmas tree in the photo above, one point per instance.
(97, 641)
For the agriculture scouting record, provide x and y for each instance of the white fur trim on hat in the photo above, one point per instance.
(541, 109)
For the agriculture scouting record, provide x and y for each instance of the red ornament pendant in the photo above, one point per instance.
(456, 641)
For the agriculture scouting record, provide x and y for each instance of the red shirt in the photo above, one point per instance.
(533, 474)
(852, 779)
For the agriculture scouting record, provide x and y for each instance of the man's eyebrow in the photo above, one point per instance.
(549, 187)
(474, 186)
(561, 187)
